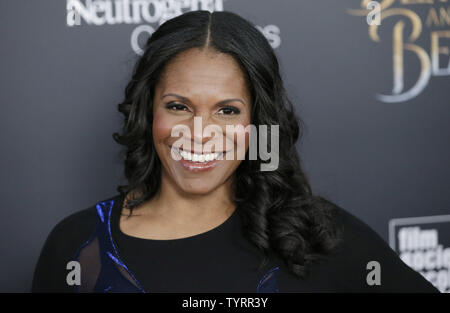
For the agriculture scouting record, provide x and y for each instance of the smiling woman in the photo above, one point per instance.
(207, 80)
(201, 219)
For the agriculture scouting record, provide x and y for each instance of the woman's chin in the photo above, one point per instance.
(196, 189)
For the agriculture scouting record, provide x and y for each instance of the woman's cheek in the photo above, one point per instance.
(239, 139)
(162, 127)
(245, 134)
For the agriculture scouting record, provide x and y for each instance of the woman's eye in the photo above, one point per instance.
(176, 106)
(229, 111)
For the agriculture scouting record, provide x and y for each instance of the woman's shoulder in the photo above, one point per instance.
(368, 263)
(80, 222)
(61, 245)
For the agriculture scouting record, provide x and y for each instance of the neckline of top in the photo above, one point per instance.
(115, 225)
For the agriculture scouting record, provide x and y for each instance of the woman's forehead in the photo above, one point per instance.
(199, 72)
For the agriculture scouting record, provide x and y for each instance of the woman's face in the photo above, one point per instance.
(195, 84)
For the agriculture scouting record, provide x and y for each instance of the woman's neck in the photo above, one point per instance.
(172, 201)
(178, 214)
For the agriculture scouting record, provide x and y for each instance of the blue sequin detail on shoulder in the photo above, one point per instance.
(110, 277)
(268, 283)
(100, 212)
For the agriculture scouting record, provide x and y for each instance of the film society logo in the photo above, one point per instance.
(146, 14)
(424, 20)
(423, 243)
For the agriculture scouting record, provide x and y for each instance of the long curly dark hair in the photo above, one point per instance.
(279, 212)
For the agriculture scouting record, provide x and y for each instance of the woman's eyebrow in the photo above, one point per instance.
(189, 101)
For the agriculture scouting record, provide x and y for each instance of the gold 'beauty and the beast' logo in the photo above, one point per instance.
(437, 17)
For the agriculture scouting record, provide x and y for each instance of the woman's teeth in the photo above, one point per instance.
(206, 157)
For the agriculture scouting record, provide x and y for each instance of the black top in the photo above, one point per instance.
(219, 260)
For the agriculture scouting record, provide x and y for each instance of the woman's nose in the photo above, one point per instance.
(205, 133)
(198, 128)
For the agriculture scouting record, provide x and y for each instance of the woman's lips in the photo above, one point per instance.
(198, 166)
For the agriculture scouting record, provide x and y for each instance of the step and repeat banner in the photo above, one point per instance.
(370, 80)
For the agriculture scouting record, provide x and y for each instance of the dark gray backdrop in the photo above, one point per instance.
(60, 87)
